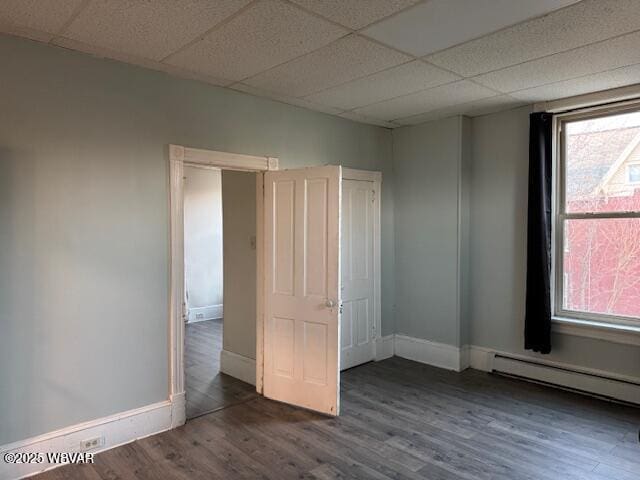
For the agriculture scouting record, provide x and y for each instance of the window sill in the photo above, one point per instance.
(626, 334)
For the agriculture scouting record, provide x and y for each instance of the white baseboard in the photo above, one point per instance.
(384, 347)
(439, 355)
(238, 366)
(588, 380)
(113, 431)
(481, 358)
(178, 409)
(200, 314)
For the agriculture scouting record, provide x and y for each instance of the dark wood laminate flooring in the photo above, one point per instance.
(400, 420)
(208, 389)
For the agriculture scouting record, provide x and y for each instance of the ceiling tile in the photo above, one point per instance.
(599, 57)
(578, 86)
(439, 24)
(344, 60)
(585, 22)
(435, 98)
(44, 15)
(355, 14)
(471, 109)
(267, 34)
(401, 80)
(148, 29)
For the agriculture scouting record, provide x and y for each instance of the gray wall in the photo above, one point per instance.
(482, 163)
(498, 249)
(202, 237)
(84, 275)
(239, 225)
(428, 159)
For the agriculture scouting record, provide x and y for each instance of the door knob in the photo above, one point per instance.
(329, 303)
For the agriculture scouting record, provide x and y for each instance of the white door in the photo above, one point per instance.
(302, 284)
(357, 334)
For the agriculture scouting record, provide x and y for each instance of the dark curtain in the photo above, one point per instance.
(537, 323)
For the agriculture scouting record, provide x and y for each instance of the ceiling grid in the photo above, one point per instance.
(384, 62)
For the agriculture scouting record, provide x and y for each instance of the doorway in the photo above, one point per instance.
(239, 366)
(311, 223)
(220, 290)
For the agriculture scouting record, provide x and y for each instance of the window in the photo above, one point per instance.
(597, 216)
(633, 173)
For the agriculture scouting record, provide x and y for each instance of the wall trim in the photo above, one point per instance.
(437, 354)
(115, 430)
(238, 366)
(620, 94)
(588, 380)
(209, 312)
(385, 347)
(615, 333)
(563, 375)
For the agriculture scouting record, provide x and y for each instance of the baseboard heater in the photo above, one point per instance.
(567, 378)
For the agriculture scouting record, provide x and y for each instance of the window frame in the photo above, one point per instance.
(559, 216)
(629, 181)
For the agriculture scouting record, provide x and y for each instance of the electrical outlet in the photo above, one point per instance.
(91, 443)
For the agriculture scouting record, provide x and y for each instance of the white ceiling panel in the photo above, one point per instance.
(598, 57)
(344, 60)
(267, 34)
(306, 53)
(439, 24)
(620, 77)
(585, 22)
(148, 29)
(471, 109)
(435, 98)
(355, 14)
(47, 16)
(401, 80)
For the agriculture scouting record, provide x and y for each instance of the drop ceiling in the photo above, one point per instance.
(384, 62)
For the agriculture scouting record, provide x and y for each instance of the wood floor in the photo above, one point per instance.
(400, 420)
(208, 389)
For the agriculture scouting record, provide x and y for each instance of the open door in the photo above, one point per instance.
(302, 285)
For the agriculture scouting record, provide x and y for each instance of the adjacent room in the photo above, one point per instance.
(219, 232)
(320, 239)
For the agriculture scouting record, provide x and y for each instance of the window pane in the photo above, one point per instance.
(599, 157)
(602, 266)
(634, 173)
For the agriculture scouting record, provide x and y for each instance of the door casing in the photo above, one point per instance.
(179, 156)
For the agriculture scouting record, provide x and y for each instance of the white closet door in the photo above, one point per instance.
(357, 335)
(302, 312)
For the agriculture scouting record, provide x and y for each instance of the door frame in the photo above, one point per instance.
(179, 157)
(376, 179)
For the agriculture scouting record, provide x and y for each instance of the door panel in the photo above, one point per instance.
(302, 247)
(315, 243)
(358, 321)
(283, 273)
